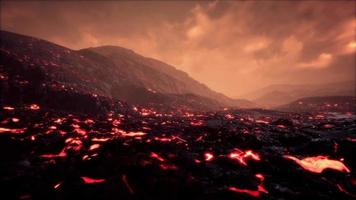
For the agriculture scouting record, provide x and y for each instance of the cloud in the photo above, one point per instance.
(352, 45)
(232, 46)
(257, 44)
(322, 61)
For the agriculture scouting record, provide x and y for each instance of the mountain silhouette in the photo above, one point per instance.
(32, 67)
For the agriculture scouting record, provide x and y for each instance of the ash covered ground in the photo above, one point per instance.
(138, 153)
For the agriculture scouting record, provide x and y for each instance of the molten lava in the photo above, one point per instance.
(34, 107)
(74, 144)
(15, 131)
(8, 108)
(79, 130)
(241, 156)
(58, 121)
(57, 185)
(260, 121)
(208, 156)
(134, 134)
(163, 139)
(116, 122)
(254, 193)
(156, 156)
(196, 123)
(318, 164)
(94, 146)
(100, 139)
(88, 180)
(61, 154)
(15, 120)
(89, 121)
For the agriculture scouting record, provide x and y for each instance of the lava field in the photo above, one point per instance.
(143, 154)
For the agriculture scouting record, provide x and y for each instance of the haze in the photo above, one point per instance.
(233, 47)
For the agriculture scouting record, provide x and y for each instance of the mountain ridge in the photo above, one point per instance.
(279, 94)
(186, 83)
(93, 73)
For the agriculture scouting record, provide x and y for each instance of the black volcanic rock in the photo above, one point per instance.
(164, 155)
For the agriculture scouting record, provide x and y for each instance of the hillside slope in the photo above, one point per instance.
(158, 76)
(34, 67)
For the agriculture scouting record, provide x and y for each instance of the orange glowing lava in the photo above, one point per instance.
(88, 180)
(8, 108)
(208, 156)
(241, 156)
(94, 146)
(196, 123)
(15, 120)
(163, 139)
(281, 126)
(15, 131)
(74, 144)
(79, 130)
(58, 121)
(57, 185)
(260, 176)
(100, 139)
(260, 121)
(229, 116)
(134, 134)
(89, 121)
(254, 193)
(156, 156)
(61, 154)
(34, 107)
(116, 122)
(200, 138)
(318, 164)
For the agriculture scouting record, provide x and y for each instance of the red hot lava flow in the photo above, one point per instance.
(254, 193)
(242, 156)
(318, 164)
(89, 180)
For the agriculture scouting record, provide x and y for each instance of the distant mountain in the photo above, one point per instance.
(109, 72)
(151, 74)
(274, 98)
(157, 76)
(324, 103)
(277, 95)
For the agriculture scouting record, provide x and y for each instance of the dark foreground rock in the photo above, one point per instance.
(142, 154)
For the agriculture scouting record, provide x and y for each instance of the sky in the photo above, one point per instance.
(234, 47)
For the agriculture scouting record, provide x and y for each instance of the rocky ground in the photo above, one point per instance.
(141, 154)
